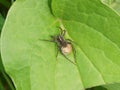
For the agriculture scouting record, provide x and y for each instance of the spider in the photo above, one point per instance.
(65, 46)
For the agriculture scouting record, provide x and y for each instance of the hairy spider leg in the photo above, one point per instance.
(67, 58)
(69, 40)
(47, 40)
(74, 50)
(52, 42)
(57, 51)
(63, 32)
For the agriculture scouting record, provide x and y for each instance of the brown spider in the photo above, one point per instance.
(65, 46)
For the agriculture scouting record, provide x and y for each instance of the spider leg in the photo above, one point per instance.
(74, 50)
(57, 51)
(67, 57)
(52, 42)
(47, 40)
(63, 32)
(71, 41)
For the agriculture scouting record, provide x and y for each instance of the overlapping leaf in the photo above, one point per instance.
(95, 28)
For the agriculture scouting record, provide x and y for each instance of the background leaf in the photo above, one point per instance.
(5, 3)
(96, 30)
(5, 81)
(97, 88)
(1, 25)
(115, 4)
(115, 86)
(1, 22)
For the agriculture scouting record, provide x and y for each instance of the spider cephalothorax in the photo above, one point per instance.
(63, 44)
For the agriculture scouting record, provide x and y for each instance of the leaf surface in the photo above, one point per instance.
(96, 30)
(32, 63)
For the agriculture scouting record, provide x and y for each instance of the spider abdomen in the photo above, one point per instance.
(67, 49)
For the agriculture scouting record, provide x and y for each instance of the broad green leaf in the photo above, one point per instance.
(115, 4)
(30, 62)
(96, 30)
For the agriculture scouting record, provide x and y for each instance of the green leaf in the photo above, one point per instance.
(96, 30)
(32, 63)
(25, 57)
